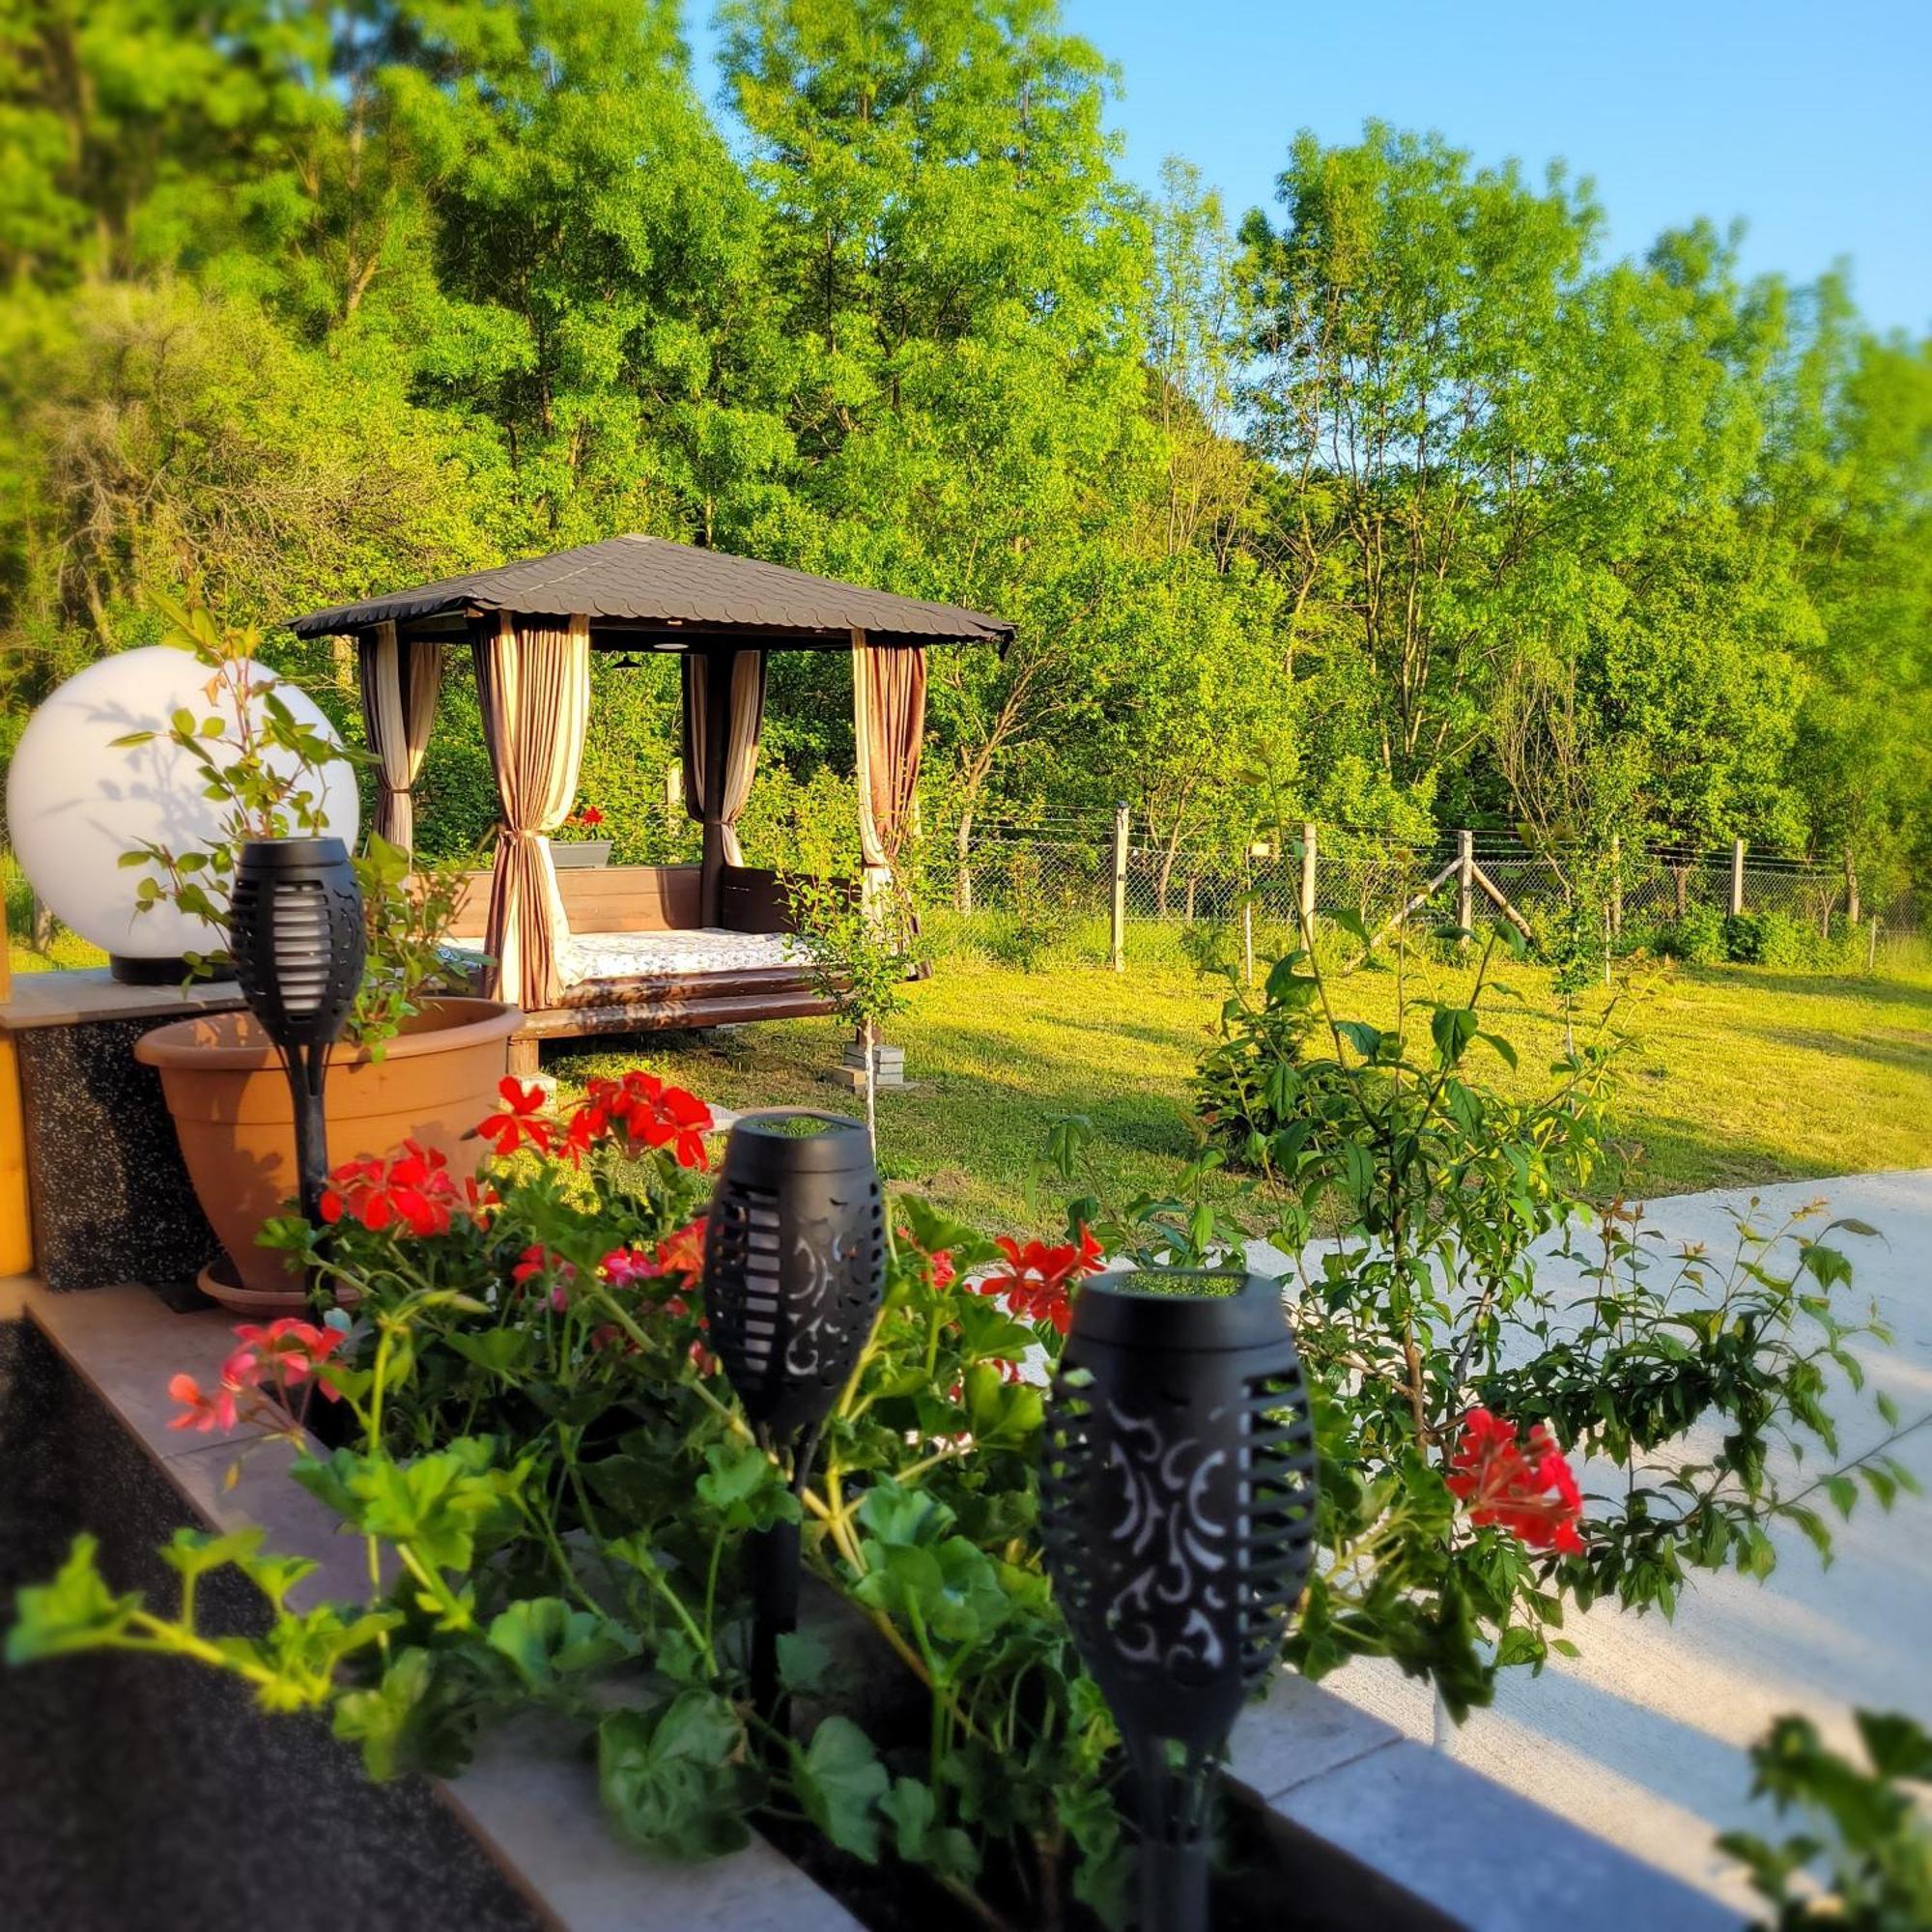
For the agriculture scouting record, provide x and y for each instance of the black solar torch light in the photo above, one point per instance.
(295, 930)
(1177, 1516)
(794, 1266)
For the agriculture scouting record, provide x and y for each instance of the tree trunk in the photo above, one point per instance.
(1853, 908)
(962, 884)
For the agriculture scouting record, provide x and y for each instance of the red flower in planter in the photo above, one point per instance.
(1038, 1278)
(590, 816)
(656, 1115)
(415, 1189)
(520, 1123)
(939, 1269)
(683, 1253)
(1527, 1490)
(625, 1268)
(205, 1412)
(290, 1349)
(536, 1261)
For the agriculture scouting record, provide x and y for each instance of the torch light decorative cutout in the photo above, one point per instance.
(1177, 1494)
(794, 1268)
(295, 935)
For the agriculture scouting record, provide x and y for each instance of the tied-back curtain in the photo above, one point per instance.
(889, 726)
(533, 679)
(399, 688)
(741, 750)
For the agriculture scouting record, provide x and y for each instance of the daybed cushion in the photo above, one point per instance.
(584, 956)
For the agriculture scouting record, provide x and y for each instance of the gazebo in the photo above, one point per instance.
(627, 946)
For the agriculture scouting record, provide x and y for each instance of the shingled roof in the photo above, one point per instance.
(650, 582)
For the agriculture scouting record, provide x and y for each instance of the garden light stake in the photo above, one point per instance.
(296, 934)
(1178, 1513)
(794, 1268)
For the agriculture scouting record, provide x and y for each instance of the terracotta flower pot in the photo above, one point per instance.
(230, 1100)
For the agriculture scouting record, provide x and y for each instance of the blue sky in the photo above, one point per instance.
(1812, 122)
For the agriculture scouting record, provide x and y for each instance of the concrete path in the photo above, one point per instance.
(1641, 1738)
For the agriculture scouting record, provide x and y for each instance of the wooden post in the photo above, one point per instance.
(1853, 909)
(1193, 883)
(1120, 946)
(1871, 947)
(1465, 880)
(1737, 878)
(1307, 899)
(1247, 939)
(1616, 907)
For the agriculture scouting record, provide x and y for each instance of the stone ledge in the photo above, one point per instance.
(1465, 1847)
(528, 1798)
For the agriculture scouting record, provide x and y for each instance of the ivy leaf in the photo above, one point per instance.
(410, 1721)
(670, 1776)
(944, 1850)
(744, 1485)
(547, 1642)
(840, 1781)
(802, 1662)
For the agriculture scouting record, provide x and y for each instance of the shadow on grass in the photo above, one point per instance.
(1812, 986)
(1889, 1049)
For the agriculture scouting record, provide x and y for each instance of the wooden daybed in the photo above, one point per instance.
(599, 949)
(695, 982)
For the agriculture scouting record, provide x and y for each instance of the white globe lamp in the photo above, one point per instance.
(76, 801)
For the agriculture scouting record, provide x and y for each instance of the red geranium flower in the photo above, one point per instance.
(1527, 1490)
(536, 1261)
(939, 1267)
(520, 1122)
(1037, 1279)
(291, 1349)
(683, 1253)
(204, 1412)
(623, 1267)
(658, 1116)
(590, 815)
(416, 1188)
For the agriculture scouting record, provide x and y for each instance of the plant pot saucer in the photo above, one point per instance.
(219, 1281)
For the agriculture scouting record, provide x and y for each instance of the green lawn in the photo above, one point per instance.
(1736, 1075)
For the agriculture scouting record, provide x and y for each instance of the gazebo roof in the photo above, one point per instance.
(648, 590)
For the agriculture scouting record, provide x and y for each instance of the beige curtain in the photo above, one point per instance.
(533, 679)
(889, 726)
(399, 688)
(741, 752)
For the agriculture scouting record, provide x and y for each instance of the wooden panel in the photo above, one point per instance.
(694, 1004)
(601, 898)
(759, 900)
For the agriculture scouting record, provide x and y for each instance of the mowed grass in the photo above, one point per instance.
(1733, 1075)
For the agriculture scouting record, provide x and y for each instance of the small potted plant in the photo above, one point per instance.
(580, 840)
(414, 1063)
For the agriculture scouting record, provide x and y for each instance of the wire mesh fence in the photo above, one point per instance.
(1063, 875)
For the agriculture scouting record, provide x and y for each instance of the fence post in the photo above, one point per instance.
(1871, 947)
(1307, 901)
(1465, 880)
(1617, 886)
(1737, 878)
(1119, 945)
(1853, 909)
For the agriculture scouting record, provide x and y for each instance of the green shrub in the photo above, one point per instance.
(1698, 936)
